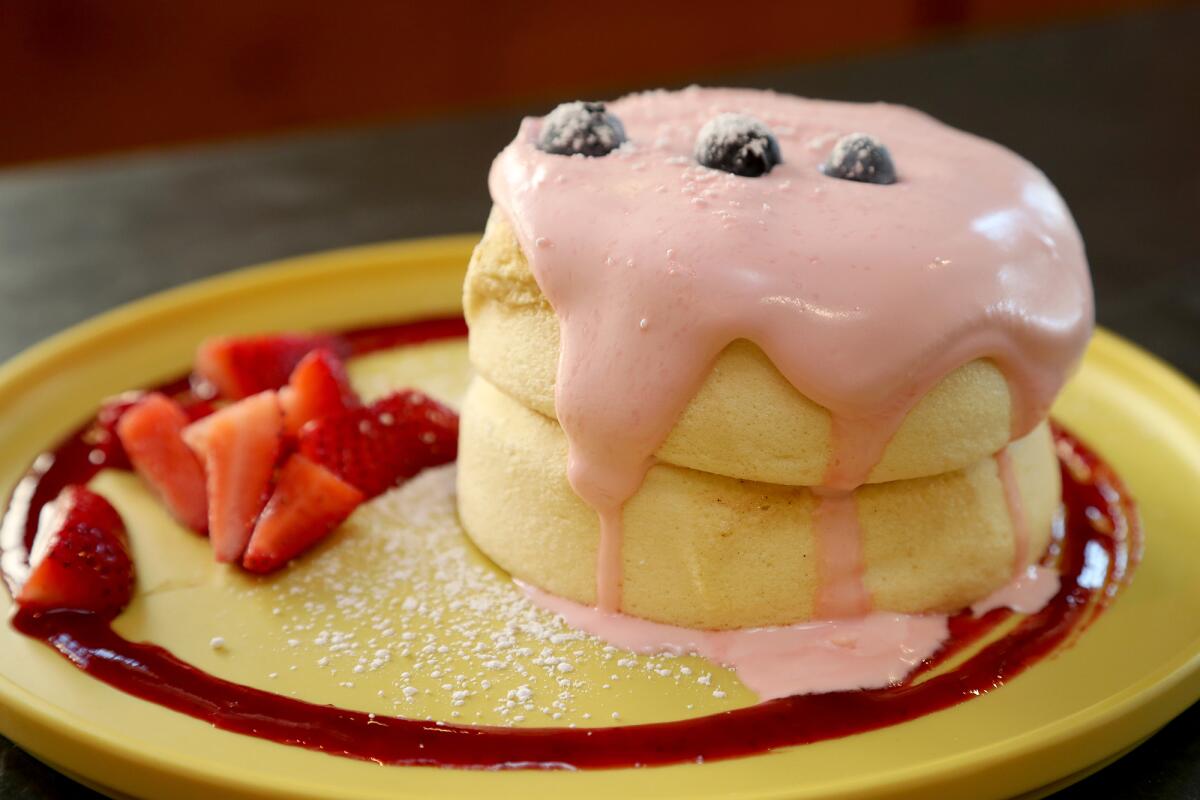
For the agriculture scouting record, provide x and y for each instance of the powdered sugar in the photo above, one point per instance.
(580, 128)
(859, 157)
(403, 616)
(729, 129)
(737, 143)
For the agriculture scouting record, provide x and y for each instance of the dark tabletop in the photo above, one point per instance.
(1110, 109)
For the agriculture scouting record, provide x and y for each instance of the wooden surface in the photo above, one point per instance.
(1108, 109)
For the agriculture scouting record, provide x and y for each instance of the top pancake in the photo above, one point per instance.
(862, 296)
(746, 421)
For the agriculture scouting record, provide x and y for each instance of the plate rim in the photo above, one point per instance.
(1159, 696)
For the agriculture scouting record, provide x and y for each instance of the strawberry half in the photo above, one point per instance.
(107, 419)
(151, 431)
(318, 387)
(239, 446)
(309, 501)
(246, 365)
(379, 446)
(106, 437)
(80, 559)
(196, 408)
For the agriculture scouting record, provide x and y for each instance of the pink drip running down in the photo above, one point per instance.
(1016, 511)
(608, 559)
(863, 296)
(841, 592)
(1032, 586)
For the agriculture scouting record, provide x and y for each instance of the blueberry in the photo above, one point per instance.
(739, 144)
(580, 128)
(859, 157)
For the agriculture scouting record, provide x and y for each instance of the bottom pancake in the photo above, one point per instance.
(708, 551)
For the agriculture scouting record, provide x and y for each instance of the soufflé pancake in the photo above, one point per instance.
(745, 359)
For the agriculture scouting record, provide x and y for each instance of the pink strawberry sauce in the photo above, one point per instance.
(1099, 536)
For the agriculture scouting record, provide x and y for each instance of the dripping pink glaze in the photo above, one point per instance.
(841, 592)
(1027, 593)
(1016, 511)
(609, 572)
(863, 296)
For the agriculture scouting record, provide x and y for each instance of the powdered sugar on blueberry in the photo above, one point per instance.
(859, 157)
(580, 128)
(737, 143)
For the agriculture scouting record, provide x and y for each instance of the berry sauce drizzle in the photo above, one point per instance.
(1095, 547)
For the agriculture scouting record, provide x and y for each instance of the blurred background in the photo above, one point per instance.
(145, 143)
(84, 77)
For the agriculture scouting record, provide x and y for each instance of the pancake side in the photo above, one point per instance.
(703, 550)
(746, 420)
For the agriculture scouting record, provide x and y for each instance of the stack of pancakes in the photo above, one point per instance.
(721, 533)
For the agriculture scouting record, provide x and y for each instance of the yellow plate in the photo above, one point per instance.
(1125, 677)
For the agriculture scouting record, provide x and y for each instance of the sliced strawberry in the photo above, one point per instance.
(151, 432)
(318, 387)
(309, 501)
(246, 365)
(196, 408)
(105, 432)
(80, 559)
(239, 446)
(377, 447)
